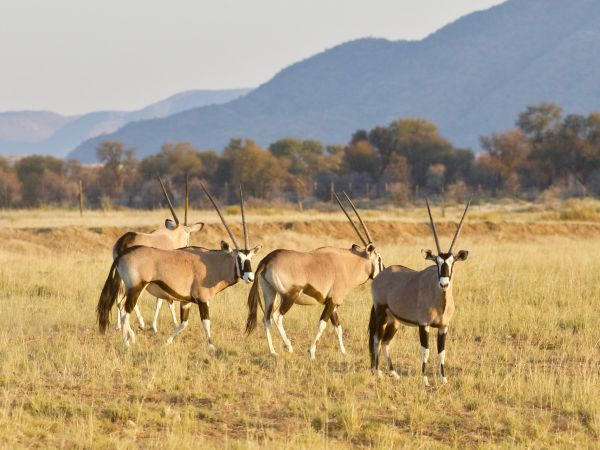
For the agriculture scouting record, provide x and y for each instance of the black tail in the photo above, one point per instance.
(108, 296)
(254, 297)
(372, 331)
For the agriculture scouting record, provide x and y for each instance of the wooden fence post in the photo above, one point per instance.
(80, 197)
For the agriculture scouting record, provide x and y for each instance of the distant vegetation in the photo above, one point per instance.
(548, 154)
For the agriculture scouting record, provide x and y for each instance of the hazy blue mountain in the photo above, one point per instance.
(471, 77)
(28, 132)
(30, 126)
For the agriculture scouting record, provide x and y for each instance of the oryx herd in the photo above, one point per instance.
(164, 264)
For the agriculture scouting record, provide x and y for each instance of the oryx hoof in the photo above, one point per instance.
(343, 350)
(377, 373)
(273, 354)
(154, 328)
(443, 380)
(169, 340)
(289, 348)
(212, 349)
(313, 353)
(426, 381)
(394, 375)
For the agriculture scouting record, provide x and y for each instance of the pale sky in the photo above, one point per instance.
(76, 56)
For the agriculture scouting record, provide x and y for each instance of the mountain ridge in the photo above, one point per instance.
(69, 131)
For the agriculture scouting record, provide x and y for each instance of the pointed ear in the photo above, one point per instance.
(370, 248)
(462, 255)
(196, 227)
(170, 225)
(427, 254)
(256, 249)
(224, 246)
(356, 248)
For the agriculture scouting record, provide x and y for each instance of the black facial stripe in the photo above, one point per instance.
(247, 266)
(445, 270)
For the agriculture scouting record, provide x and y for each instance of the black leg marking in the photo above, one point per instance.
(424, 338)
(380, 322)
(287, 301)
(132, 298)
(184, 313)
(390, 331)
(204, 314)
(441, 346)
(327, 311)
(335, 320)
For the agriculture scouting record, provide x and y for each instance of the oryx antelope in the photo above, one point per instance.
(173, 235)
(189, 275)
(415, 298)
(324, 276)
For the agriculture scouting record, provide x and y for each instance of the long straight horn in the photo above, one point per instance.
(459, 226)
(435, 236)
(237, 247)
(350, 219)
(168, 201)
(244, 219)
(187, 200)
(360, 220)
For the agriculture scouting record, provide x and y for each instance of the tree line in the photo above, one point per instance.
(546, 152)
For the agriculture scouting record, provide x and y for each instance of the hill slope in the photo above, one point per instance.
(471, 77)
(27, 132)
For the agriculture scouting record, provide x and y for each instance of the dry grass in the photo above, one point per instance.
(497, 212)
(522, 357)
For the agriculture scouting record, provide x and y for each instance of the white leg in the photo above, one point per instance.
(338, 332)
(442, 361)
(128, 334)
(178, 330)
(269, 337)
(140, 319)
(269, 294)
(386, 355)
(278, 318)
(124, 319)
(173, 313)
(157, 306)
(118, 316)
(313, 348)
(206, 325)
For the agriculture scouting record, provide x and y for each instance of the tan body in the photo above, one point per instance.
(170, 237)
(189, 275)
(338, 272)
(320, 277)
(413, 297)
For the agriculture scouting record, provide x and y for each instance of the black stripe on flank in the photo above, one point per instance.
(165, 287)
(406, 321)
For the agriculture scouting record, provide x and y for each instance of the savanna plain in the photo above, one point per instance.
(522, 352)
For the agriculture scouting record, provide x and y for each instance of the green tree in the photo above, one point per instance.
(118, 165)
(537, 120)
(41, 178)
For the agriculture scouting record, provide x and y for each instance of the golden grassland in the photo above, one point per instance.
(522, 360)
